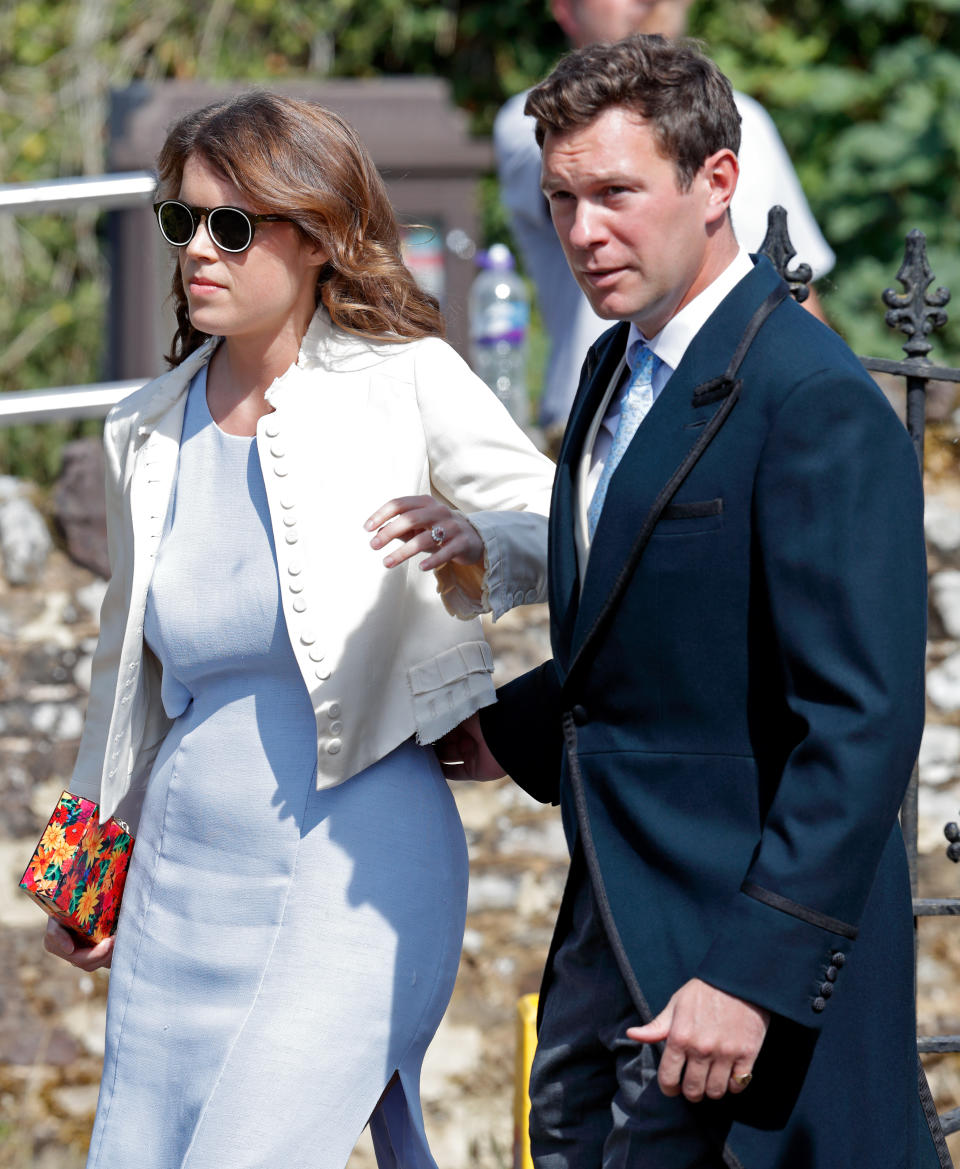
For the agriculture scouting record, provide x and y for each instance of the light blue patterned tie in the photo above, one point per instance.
(633, 409)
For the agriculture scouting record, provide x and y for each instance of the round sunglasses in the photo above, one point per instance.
(230, 228)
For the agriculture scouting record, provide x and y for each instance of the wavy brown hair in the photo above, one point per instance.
(297, 159)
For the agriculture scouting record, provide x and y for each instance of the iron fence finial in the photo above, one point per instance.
(915, 312)
(780, 251)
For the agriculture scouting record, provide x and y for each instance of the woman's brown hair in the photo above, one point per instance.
(300, 160)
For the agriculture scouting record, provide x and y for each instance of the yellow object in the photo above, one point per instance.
(526, 1045)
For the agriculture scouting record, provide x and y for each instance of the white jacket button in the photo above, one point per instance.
(333, 747)
(294, 568)
(335, 727)
(308, 637)
(322, 672)
(271, 429)
(277, 450)
(292, 536)
(299, 604)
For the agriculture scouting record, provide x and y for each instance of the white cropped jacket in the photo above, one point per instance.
(354, 424)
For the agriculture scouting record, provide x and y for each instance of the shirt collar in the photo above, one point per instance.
(671, 342)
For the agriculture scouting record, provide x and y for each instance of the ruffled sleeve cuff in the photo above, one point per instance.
(450, 687)
(514, 566)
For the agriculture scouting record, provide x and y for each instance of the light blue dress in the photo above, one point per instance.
(281, 952)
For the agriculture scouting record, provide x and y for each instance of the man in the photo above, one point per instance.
(729, 720)
(767, 178)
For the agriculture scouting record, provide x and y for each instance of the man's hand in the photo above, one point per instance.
(464, 753)
(712, 1038)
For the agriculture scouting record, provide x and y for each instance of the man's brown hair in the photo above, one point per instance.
(680, 92)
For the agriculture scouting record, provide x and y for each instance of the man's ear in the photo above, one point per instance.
(720, 172)
(563, 14)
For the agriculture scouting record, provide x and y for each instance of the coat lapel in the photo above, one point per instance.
(563, 574)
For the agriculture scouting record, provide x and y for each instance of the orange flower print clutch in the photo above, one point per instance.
(79, 868)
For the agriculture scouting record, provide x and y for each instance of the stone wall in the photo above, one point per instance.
(51, 1016)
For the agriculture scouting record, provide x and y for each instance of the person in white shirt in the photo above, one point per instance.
(767, 178)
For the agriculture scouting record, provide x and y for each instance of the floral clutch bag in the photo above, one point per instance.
(79, 868)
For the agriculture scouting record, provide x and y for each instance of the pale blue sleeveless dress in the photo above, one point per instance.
(281, 951)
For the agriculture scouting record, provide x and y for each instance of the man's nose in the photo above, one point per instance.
(586, 228)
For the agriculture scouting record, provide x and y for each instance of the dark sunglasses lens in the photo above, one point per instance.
(176, 223)
(230, 229)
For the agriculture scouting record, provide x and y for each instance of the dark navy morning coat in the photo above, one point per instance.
(731, 715)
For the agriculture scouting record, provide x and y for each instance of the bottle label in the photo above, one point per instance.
(506, 320)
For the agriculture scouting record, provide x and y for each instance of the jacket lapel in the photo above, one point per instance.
(563, 573)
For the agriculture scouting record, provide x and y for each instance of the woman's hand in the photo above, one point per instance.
(418, 520)
(61, 942)
(464, 754)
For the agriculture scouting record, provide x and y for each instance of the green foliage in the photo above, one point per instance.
(866, 94)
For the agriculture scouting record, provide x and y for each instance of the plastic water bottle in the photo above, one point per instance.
(499, 307)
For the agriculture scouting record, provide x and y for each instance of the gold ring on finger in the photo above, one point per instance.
(743, 1079)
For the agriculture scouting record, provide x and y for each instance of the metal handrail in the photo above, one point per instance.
(63, 403)
(111, 191)
(128, 189)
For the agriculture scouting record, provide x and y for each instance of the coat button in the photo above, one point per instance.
(333, 747)
(316, 655)
(308, 637)
(277, 450)
(331, 709)
(818, 1005)
(336, 727)
(322, 672)
(579, 714)
(831, 974)
(299, 604)
(287, 501)
(292, 537)
(838, 958)
(295, 586)
(826, 989)
(280, 471)
(271, 429)
(294, 568)
(289, 521)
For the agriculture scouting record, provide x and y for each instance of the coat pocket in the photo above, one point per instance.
(682, 519)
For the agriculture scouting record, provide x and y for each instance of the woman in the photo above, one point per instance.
(264, 681)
